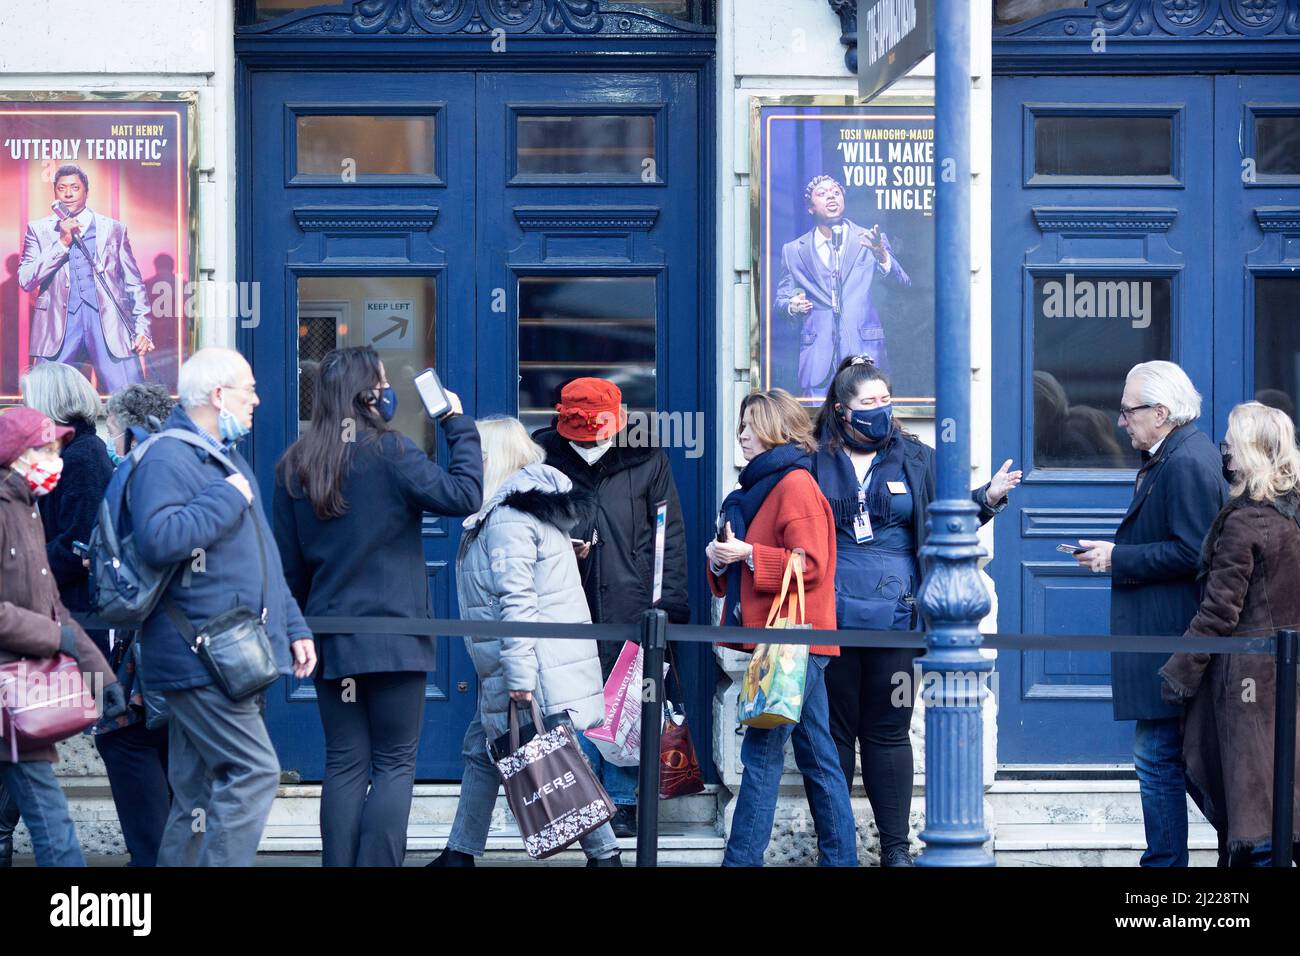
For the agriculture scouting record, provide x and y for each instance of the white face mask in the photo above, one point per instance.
(593, 454)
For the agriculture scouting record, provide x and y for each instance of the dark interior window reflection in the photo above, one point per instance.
(1088, 332)
(1277, 341)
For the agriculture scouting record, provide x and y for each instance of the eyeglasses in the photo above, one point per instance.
(1127, 412)
(246, 389)
(1225, 449)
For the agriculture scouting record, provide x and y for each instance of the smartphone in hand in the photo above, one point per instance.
(81, 549)
(432, 394)
(1071, 548)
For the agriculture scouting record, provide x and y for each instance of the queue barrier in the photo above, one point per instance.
(654, 632)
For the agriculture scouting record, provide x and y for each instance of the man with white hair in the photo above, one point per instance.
(188, 511)
(1152, 563)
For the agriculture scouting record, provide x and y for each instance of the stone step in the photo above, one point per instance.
(688, 825)
(680, 844)
(1085, 802)
(1082, 844)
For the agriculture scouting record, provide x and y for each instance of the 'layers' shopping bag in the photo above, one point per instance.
(551, 789)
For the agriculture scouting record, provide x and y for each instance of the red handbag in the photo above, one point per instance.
(43, 701)
(679, 768)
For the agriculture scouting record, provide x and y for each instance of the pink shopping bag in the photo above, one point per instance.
(619, 738)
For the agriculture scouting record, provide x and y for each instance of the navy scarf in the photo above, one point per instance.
(839, 482)
(757, 480)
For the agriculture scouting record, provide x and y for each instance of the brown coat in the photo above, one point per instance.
(30, 609)
(1251, 575)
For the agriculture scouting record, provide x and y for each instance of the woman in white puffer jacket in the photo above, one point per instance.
(516, 563)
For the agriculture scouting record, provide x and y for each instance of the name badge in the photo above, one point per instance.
(896, 487)
(862, 532)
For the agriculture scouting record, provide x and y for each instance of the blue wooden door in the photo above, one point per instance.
(363, 232)
(514, 230)
(1257, 243)
(1103, 257)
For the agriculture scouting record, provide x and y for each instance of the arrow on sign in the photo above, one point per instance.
(399, 326)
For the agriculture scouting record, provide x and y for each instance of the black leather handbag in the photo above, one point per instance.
(234, 645)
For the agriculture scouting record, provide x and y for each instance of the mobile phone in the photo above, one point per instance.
(1072, 548)
(722, 531)
(432, 394)
(81, 549)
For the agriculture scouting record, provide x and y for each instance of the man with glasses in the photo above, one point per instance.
(188, 511)
(1152, 563)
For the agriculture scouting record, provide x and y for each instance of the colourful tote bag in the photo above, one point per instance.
(771, 693)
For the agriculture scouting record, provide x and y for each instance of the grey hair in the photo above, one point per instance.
(1164, 383)
(135, 404)
(208, 368)
(60, 393)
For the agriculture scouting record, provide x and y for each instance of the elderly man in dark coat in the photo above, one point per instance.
(1152, 563)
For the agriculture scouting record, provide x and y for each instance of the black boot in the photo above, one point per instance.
(896, 856)
(624, 822)
(8, 823)
(449, 857)
(615, 860)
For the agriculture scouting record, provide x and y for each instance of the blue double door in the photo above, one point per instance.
(1135, 218)
(511, 229)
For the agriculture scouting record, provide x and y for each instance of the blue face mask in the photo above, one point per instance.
(113, 456)
(230, 427)
(386, 405)
(874, 424)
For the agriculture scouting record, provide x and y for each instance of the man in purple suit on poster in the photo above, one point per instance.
(826, 279)
(90, 304)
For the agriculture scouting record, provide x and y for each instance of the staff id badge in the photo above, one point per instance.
(862, 532)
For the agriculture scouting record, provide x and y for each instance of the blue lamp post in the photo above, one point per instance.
(954, 673)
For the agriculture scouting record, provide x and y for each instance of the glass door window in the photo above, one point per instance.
(393, 314)
(575, 326)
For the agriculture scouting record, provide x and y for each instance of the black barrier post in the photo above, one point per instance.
(654, 642)
(1284, 713)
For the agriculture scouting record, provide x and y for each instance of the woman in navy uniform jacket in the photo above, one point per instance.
(347, 520)
(1152, 563)
(879, 481)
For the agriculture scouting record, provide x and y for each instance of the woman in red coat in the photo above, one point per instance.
(777, 510)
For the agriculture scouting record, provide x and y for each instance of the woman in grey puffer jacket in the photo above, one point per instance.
(516, 563)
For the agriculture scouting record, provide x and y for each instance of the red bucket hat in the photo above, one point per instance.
(22, 428)
(590, 409)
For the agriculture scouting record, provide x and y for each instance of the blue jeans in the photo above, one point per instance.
(1158, 756)
(763, 754)
(478, 796)
(44, 809)
(619, 782)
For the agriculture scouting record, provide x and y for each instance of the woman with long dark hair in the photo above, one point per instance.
(879, 480)
(349, 499)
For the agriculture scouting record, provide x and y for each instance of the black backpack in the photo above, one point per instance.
(123, 588)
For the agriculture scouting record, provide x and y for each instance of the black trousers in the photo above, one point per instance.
(136, 760)
(871, 709)
(372, 734)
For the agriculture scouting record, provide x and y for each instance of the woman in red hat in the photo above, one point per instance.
(34, 623)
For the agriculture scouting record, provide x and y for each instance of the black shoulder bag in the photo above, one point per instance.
(234, 645)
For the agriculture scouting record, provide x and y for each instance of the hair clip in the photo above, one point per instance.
(862, 360)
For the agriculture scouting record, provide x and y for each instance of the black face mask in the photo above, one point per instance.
(1228, 476)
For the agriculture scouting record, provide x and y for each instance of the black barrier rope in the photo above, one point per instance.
(654, 632)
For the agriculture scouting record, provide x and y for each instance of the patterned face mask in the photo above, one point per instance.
(41, 476)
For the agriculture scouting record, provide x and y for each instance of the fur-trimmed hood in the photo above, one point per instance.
(539, 490)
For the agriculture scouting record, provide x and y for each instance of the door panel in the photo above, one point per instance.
(364, 232)
(1257, 243)
(1100, 261)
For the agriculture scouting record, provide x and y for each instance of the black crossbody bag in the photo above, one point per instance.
(234, 645)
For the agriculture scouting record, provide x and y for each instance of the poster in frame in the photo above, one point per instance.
(842, 226)
(98, 235)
